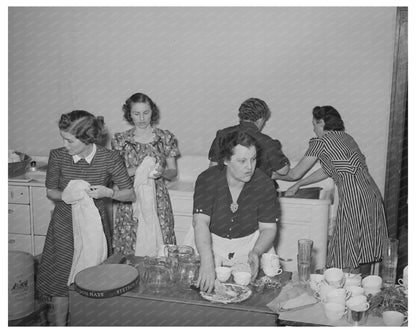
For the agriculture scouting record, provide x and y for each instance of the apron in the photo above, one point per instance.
(228, 252)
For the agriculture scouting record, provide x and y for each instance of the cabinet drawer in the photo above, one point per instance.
(39, 243)
(18, 194)
(42, 211)
(20, 243)
(19, 219)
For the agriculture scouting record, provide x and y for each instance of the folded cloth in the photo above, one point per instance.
(90, 244)
(149, 236)
(291, 297)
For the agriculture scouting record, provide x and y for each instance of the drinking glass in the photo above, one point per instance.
(304, 270)
(389, 262)
(305, 250)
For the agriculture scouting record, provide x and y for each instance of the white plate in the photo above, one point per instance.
(243, 293)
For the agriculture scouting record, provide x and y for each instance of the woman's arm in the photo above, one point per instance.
(314, 177)
(299, 170)
(171, 169)
(263, 244)
(54, 195)
(99, 191)
(206, 276)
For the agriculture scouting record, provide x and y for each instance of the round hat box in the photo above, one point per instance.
(106, 280)
(21, 284)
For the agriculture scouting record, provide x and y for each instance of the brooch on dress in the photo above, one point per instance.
(234, 207)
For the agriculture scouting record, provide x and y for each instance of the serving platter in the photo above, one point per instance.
(235, 294)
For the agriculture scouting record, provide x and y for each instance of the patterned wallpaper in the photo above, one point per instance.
(198, 65)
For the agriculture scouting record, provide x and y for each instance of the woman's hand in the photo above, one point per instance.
(157, 172)
(100, 191)
(206, 277)
(254, 262)
(291, 191)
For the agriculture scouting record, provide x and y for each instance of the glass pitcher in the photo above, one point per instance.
(157, 275)
(188, 271)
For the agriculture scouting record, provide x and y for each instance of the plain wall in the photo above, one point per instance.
(198, 65)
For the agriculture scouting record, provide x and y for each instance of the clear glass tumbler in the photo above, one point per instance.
(389, 262)
(305, 250)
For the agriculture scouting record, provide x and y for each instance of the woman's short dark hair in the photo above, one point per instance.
(330, 116)
(253, 109)
(83, 125)
(228, 143)
(140, 98)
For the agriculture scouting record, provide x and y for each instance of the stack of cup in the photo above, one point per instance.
(304, 259)
(357, 310)
(270, 264)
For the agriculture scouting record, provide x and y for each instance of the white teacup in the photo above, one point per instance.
(242, 278)
(315, 280)
(336, 296)
(404, 282)
(223, 273)
(270, 264)
(358, 303)
(334, 311)
(393, 318)
(324, 289)
(335, 277)
(355, 290)
(372, 284)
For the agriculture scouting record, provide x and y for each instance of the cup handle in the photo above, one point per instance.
(367, 306)
(401, 282)
(280, 271)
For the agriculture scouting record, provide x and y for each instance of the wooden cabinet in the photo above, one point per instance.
(29, 214)
(19, 219)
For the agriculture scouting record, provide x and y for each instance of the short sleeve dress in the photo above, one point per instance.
(105, 168)
(360, 226)
(164, 145)
(257, 202)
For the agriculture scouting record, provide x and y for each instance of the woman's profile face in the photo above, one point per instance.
(318, 127)
(242, 164)
(73, 145)
(141, 113)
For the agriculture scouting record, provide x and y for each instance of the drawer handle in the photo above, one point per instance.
(12, 241)
(11, 195)
(11, 211)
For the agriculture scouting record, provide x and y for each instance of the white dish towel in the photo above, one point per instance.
(149, 236)
(90, 244)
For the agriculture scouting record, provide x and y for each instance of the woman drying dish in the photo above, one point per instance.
(360, 226)
(79, 232)
(150, 156)
(235, 210)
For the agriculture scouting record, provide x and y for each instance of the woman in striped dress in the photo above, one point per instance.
(360, 226)
(80, 158)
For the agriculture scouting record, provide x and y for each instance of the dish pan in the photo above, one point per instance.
(243, 293)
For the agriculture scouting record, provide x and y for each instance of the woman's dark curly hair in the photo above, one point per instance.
(330, 116)
(140, 98)
(253, 109)
(83, 125)
(231, 140)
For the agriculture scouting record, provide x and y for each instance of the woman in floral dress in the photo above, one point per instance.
(134, 145)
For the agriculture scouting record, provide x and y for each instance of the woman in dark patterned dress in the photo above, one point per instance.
(360, 226)
(80, 158)
(134, 145)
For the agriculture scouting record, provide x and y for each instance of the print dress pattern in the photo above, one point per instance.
(360, 226)
(163, 146)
